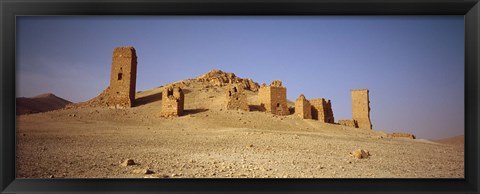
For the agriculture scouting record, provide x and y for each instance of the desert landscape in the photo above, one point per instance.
(216, 125)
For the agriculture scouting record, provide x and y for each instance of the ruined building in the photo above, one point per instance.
(348, 123)
(123, 78)
(303, 108)
(361, 108)
(235, 98)
(273, 98)
(322, 110)
(172, 101)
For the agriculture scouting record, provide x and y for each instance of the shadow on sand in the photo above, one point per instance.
(148, 99)
(194, 111)
(258, 108)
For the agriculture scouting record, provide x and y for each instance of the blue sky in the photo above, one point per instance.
(412, 65)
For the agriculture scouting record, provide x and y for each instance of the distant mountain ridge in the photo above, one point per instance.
(41, 103)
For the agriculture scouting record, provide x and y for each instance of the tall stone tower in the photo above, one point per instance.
(303, 108)
(121, 92)
(361, 108)
(273, 98)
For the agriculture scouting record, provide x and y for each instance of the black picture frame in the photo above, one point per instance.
(9, 9)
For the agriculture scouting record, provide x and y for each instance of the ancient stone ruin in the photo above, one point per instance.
(348, 123)
(401, 135)
(172, 102)
(235, 98)
(361, 108)
(123, 77)
(322, 110)
(273, 98)
(303, 108)
(220, 78)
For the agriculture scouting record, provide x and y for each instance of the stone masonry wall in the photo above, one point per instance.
(303, 108)
(235, 98)
(322, 110)
(401, 135)
(349, 123)
(361, 108)
(172, 102)
(123, 77)
(273, 98)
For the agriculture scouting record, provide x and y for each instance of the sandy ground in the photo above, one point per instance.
(212, 142)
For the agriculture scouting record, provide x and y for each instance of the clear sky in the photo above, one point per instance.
(412, 65)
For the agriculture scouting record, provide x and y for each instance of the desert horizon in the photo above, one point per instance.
(240, 97)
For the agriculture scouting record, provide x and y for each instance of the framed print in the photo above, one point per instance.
(255, 96)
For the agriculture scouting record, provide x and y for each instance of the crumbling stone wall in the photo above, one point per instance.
(220, 78)
(172, 101)
(235, 98)
(123, 77)
(303, 108)
(322, 110)
(349, 123)
(273, 98)
(401, 135)
(361, 108)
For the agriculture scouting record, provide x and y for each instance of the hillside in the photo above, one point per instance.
(209, 141)
(41, 103)
(456, 140)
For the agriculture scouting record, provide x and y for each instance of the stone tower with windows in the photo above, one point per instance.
(172, 102)
(123, 78)
(273, 98)
(235, 98)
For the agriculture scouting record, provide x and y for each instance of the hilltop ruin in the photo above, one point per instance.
(273, 98)
(220, 78)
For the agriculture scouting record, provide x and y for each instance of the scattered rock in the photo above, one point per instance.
(51, 176)
(156, 176)
(143, 171)
(128, 162)
(360, 154)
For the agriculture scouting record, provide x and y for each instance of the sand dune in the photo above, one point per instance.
(41, 103)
